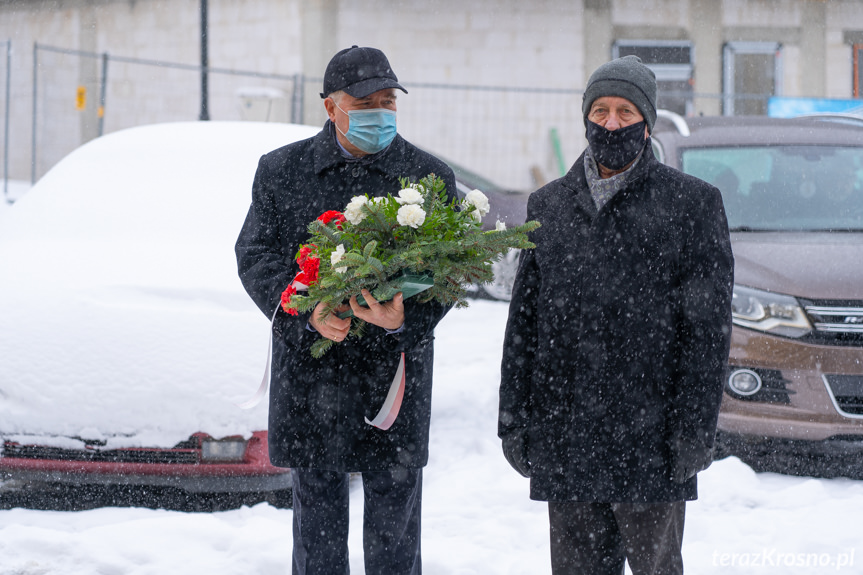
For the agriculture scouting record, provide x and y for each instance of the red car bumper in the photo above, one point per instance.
(180, 467)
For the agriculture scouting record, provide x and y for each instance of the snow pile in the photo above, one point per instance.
(121, 314)
(477, 518)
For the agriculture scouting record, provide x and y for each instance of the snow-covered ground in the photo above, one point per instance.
(477, 518)
(11, 191)
(15, 188)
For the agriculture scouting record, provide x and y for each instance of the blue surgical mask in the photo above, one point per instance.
(370, 130)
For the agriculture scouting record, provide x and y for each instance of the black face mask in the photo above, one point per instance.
(614, 149)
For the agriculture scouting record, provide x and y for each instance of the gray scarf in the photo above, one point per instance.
(602, 190)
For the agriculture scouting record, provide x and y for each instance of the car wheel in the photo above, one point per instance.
(504, 270)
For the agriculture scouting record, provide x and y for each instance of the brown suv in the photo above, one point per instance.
(793, 194)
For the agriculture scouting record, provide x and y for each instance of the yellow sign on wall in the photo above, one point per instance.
(81, 98)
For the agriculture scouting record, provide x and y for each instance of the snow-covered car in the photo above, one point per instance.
(125, 335)
(793, 194)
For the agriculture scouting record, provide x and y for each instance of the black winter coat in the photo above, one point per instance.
(617, 338)
(318, 406)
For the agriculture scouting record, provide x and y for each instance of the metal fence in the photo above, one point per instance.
(510, 135)
(518, 137)
(507, 134)
(79, 95)
(7, 103)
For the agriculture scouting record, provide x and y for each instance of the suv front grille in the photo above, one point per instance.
(846, 391)
(181, 454)
(835, 322)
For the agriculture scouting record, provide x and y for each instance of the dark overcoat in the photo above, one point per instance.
(318, 406)
(618, 335)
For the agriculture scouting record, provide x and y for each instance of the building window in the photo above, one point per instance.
(857, 50)
(752, 73)
(672, 62)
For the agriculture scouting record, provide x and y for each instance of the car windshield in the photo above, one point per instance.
(784, 188)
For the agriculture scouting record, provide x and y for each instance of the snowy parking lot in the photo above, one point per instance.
(477, 520)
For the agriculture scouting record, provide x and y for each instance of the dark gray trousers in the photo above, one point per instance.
(391, 522)
(597, 538)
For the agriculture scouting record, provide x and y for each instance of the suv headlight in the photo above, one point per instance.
(769, 312)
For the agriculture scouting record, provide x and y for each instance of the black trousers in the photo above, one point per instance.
(596, 538)
(391, 522)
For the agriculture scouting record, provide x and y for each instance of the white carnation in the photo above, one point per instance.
(500, 226)
(410, 195)
(411, 215)
(354, 211)
(478, 200)
(337, 256)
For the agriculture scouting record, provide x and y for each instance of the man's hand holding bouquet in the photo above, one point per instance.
(419, 243)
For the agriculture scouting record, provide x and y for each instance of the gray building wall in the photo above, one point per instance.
(547, 48)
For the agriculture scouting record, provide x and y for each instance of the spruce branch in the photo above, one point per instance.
(375, 251)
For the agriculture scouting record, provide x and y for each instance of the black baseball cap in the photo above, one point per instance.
(359, 72)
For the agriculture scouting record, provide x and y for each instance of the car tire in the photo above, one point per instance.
(504, 270)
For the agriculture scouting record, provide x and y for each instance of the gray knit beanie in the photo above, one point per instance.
(626, 78)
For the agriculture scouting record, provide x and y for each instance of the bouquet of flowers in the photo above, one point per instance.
(419, 242)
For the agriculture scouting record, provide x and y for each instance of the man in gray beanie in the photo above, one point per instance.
(627, 78)
(617, 339)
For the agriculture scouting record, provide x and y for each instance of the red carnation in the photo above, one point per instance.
(331, 215)
(286, 299)
(310, 268)
(305, 251)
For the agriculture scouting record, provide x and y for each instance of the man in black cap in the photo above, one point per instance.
(325, 418)
(618, 334)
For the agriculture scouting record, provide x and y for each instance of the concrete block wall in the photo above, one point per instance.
(842, 17)
(551, 44)
(772, 13)
(23, 24)
(665, 13)
(263, 36)
(509, 43)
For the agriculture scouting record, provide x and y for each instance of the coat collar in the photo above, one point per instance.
(391, 162)
(576, 181)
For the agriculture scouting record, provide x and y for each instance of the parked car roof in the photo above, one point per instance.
(744, 130)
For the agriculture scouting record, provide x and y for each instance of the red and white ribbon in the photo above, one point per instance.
(265, 381)
(388, 412)
(393, 403)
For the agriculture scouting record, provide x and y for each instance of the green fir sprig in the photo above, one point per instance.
(420, 231)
